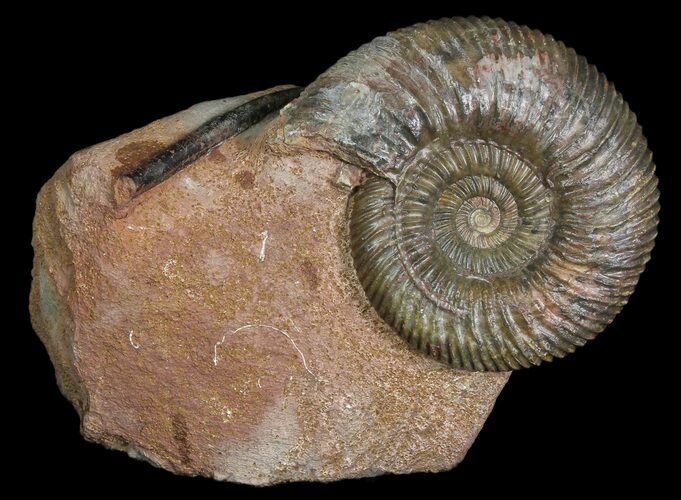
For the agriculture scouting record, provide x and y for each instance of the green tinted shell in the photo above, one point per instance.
(512, 202)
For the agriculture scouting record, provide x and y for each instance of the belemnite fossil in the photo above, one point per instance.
(470, 185)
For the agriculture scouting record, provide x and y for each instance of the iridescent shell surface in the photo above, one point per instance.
(512, 201)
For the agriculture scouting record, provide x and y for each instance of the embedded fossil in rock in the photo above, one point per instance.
(514, 201)
(220, 291)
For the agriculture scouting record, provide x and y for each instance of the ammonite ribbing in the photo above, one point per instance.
(512, 202)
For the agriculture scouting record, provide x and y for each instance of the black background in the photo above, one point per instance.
(598, 419)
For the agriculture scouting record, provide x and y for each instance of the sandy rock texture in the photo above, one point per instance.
(214, 325)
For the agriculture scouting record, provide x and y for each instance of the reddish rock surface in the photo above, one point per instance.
(214, 325)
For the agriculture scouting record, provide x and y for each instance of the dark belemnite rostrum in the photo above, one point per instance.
(199, 142)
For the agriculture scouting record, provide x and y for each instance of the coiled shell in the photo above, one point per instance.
(514, 202)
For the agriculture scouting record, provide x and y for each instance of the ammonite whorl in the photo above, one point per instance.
(513, 202)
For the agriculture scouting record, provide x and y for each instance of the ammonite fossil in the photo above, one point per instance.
(220, 292)
(511, 203)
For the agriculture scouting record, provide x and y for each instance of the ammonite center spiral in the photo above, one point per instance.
(477, 217)
(475, 206)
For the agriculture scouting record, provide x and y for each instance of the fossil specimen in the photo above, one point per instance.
(513, 202)
(220, 291)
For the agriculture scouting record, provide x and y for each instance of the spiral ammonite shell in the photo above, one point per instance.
(512, 202)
